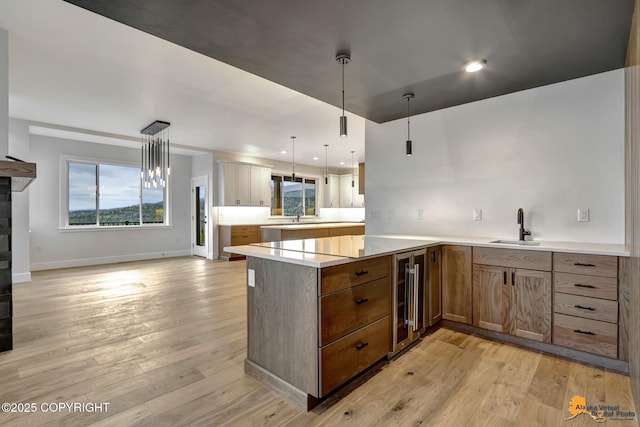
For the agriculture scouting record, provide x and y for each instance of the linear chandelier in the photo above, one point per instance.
(155, 167)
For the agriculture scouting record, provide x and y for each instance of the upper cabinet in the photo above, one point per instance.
(349, 192)
(331, 192)
(240, 184)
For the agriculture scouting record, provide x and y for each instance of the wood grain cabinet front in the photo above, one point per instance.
(345, 311)
(586, 303)
(456, 284)
(354, 316)
(352, 354)
(512, 300)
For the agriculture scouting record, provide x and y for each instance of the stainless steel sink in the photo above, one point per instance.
(516, 242)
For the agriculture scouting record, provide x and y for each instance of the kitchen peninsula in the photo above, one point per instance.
(321, 311)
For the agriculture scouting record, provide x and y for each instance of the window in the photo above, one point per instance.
(292, 197)
(108, 195)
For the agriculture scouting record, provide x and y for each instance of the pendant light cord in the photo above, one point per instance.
(343, 87)
(408, 120)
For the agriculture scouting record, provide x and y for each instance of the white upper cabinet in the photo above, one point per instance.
(241, 184)
(349, 197)
(260, 186)
(331, 192)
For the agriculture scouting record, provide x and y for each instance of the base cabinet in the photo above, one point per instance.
(434, 257)
(509, 299)
(586, 303)
(456, 283)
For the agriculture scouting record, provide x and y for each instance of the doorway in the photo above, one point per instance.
(200, 216)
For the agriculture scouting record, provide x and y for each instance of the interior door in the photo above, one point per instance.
(200, 216)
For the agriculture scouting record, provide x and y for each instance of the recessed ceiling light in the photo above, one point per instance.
(342, 163)
(283, 152)
(473, 66)
(315, 158)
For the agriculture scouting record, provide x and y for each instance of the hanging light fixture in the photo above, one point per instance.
(155, 166)
(343, 58)
(293, 158)
(326, 164)
(408, 97)
(353, 172)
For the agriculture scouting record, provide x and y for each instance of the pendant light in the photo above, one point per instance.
(353, 171)
(343, 58)
(293, 158)
(326, 164)
(409, 148)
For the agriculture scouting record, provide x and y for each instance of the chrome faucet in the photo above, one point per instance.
(522, 231)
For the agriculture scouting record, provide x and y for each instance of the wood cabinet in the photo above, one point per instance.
(434, 256)
(241, 184)
(236, 235)
(314, 329)
(282, 234)
(510, 298)
(586, 303)
(456, 283)
(331, 192)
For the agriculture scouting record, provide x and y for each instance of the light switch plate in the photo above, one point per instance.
(251, 278)
(583, 214)
(419, 214)
(477, 214)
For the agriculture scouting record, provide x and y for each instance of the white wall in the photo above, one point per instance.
(548, 150)
(52, 247)
(4, 92)
(21, 260)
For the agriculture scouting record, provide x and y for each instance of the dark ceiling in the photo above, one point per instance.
(396, 46)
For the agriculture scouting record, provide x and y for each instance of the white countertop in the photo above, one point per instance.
(303, 226)
(328, 251)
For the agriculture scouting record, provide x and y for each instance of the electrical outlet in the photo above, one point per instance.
(251, 278)
(420, 214)
(583, 214)
(477, 214)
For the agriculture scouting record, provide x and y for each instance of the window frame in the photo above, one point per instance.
(303, 177)
(65, 160)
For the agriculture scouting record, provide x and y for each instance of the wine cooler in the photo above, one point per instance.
(410, 298)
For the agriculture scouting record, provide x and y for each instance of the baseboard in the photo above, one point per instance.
(21, 277)
(82, 262)
(211, 255)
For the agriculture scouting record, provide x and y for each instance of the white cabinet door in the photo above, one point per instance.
(331, 192)
(260, 186)
(346, 191)
(227, 184)
(243, 183)
(358, 199)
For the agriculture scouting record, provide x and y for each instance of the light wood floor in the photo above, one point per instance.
(164, 341)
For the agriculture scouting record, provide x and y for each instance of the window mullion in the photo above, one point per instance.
(97, 195)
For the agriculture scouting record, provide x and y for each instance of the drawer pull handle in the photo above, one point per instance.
(585, 308)
(581, 264)
(361, 300)
(580, 285)
(578, 331)
(361, 273)
(361, 345)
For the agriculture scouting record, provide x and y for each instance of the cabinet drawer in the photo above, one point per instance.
(588, 286)
(243, 239)
(591, 308)
(345, 311)
(346, 231)
(347, 357)
(514, 258)
(354, 273)
(587, 335)
(244, 229)
(594, 265)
